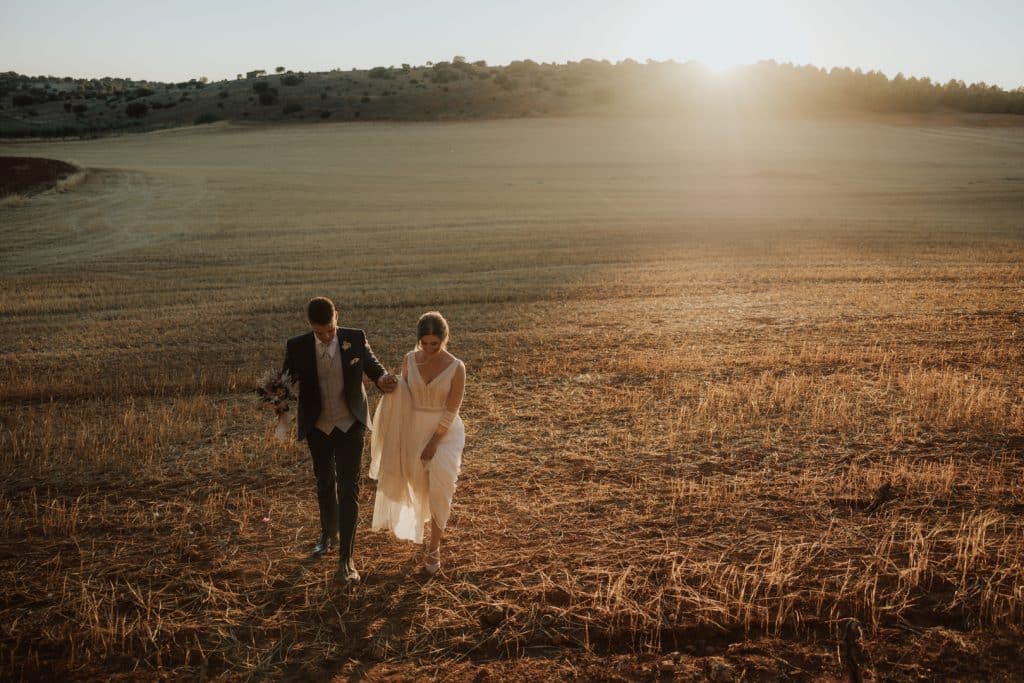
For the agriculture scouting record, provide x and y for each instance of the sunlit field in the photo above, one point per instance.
(738, 391)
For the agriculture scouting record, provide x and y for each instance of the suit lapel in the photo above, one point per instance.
(345, 357)
(313, 374)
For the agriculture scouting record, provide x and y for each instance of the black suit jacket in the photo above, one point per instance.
(357, 359)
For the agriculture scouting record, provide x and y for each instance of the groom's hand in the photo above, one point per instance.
(387, 383)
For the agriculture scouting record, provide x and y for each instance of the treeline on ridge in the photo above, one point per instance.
(460, 89)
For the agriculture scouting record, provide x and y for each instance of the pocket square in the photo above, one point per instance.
(353, 361)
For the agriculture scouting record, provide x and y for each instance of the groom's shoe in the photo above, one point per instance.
(323, 544)
(346, 572)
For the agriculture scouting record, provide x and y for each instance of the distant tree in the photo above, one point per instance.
(458, 59)
(505, 82)
(279, 70)
(379, 72)
(238, 77)
(136, 110)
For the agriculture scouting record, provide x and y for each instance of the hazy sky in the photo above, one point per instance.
(176, 41)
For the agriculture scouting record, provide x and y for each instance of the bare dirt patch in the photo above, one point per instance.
(31, 175)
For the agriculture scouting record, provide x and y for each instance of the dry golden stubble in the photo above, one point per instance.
(678, 439)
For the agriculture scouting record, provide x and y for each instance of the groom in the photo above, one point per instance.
(329, 363)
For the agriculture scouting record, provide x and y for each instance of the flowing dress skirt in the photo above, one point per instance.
(411, 492)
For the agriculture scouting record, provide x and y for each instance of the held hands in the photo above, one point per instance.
(387, 383)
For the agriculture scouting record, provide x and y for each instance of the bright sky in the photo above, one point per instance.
(174, 41)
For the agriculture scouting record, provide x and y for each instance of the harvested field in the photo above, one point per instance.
(732, 385)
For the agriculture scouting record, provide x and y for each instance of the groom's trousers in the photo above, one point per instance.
(336, 461)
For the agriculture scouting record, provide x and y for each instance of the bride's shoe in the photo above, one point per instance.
(433, 563)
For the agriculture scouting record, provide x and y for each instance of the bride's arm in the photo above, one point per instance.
(451, 410)
(454, 402)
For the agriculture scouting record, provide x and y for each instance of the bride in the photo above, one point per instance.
(417, 441)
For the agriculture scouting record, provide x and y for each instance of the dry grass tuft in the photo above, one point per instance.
(71, 182)
(12, 201)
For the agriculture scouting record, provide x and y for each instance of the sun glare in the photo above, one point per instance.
(721, 36)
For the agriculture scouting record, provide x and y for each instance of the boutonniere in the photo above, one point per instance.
(345, 346)
(354, 361)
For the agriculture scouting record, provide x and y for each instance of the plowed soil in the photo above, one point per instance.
(29, 175)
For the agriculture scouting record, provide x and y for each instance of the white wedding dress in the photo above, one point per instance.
(411, 492)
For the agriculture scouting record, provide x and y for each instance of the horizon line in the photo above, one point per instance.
(625, 60)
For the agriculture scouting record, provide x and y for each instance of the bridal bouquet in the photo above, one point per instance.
(278, 389)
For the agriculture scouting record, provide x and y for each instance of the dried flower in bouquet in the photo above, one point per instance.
(279, 389)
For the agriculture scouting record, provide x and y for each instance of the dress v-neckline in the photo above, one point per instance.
(435, 377)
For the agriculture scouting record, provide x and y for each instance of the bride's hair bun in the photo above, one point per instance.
(432, 323)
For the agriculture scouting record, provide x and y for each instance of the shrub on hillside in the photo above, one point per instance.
(380, 72)
(260, 86)
(22, 100)
(291, 79)
(325, 114)
(268, 97)
(506, 82)
(79, 108)
(208, 117)
(136, 110)
(222, 94)
(444, 75)
(291, 108)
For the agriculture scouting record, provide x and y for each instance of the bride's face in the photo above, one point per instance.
(430, 344)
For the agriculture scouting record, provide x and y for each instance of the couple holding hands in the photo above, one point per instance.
(416, 440)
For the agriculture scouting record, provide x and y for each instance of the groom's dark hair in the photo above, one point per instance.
(320, 311)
